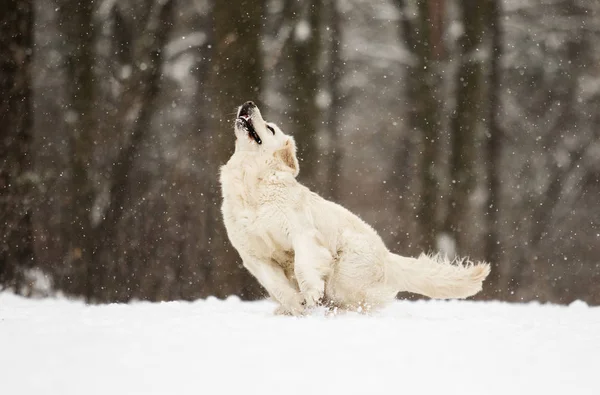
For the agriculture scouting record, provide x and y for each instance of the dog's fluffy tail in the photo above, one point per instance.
(438, 277)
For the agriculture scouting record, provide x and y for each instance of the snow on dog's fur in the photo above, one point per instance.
(306, 250)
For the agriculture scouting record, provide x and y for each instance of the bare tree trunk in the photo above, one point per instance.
(333, 120)
(304, 49)
(16, 232)
(436, 13)
(236, 77)
(76, 18)
(493, 149)
(464, 124)
(416, 31)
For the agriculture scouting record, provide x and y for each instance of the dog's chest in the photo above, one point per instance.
(254, 217)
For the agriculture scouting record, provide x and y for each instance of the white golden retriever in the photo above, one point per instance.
(306, 250)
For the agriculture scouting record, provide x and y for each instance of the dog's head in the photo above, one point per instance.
(255, 135)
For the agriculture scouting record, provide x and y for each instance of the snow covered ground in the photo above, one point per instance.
(55, 346)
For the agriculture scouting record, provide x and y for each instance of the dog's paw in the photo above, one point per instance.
(313, 297)
(294, 306)
(294, 312)
(280, 310)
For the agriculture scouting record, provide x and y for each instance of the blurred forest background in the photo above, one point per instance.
(470, 127)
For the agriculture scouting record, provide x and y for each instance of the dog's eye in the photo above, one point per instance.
(271, 129)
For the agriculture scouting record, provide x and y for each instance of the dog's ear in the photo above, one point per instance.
(287, 154)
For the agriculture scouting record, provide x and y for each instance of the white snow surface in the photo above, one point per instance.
(57, 346)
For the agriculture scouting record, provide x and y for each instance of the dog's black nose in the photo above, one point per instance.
(245, 108)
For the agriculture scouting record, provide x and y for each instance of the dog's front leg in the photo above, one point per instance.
(273, 278)
(311, 267)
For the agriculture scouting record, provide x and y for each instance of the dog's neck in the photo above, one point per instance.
(245, 172)
(242, 175)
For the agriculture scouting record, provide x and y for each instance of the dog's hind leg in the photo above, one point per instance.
(358, 282)
(312, 265)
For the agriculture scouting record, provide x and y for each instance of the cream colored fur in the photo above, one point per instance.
(306, 250)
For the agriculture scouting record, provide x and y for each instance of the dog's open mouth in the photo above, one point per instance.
(246, 123)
